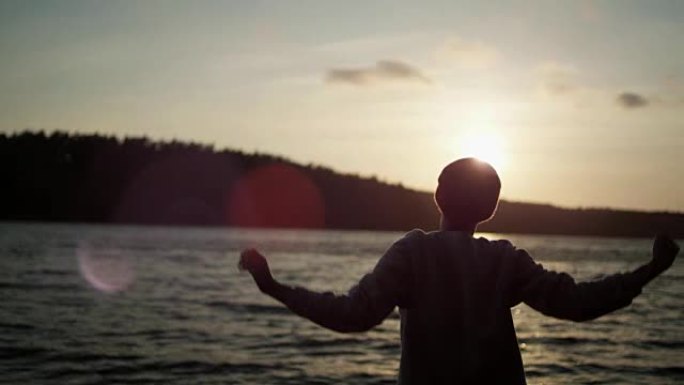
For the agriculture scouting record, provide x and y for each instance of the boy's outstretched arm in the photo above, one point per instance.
(558, 295)
(366, 304)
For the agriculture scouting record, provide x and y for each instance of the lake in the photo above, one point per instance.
(86, 304)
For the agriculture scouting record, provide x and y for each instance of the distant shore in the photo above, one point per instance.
(71, 178)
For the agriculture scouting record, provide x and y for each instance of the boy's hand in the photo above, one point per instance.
(664, 252)
(252, 261)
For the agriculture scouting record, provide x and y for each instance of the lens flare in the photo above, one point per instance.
(105, 269)
(276, 196)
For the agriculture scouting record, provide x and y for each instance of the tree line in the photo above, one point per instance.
(61, 177)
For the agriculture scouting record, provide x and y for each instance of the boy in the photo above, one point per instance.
(455, 291)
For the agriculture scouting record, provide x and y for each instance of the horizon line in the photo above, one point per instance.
(372, 177)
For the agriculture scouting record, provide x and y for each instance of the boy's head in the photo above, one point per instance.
(467, 191)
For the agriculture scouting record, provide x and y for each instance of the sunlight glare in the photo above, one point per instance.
(484, 146)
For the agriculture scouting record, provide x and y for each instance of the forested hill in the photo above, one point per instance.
(89, 178)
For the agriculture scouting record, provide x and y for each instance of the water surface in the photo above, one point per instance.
(130, 305)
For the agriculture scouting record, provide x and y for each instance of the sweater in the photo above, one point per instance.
(454, 294)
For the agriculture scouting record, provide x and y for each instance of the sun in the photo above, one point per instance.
(484, 146)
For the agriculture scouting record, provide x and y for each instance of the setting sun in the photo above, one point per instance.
(484, 146)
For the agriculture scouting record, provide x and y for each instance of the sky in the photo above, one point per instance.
(576, 103)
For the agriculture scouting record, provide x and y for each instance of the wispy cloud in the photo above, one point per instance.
(384, 71)
(560, 81)
(471, 54)
(556, 78)
(631, 100)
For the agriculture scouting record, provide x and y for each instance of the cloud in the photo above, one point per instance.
(559, 82)
(384, 71)
(562, 82)
(471, 54)
(632, 100)
(557, 79)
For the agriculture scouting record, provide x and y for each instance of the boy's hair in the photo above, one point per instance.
(468, 191)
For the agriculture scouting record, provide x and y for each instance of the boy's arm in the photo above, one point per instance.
(366, 304)
(558, 295)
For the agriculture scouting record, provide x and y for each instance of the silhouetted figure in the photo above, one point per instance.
(455, 291)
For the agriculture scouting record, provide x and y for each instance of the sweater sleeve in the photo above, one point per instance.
(558, 295)
(367, 303)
